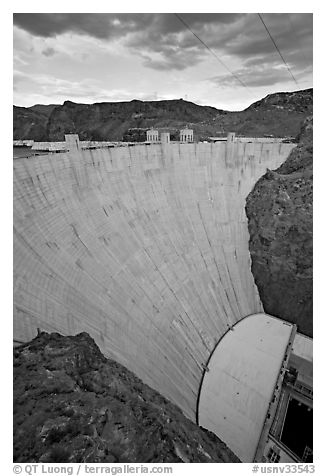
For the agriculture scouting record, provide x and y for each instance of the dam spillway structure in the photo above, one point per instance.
(146, 249)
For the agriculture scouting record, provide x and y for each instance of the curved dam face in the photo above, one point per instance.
(143, 247)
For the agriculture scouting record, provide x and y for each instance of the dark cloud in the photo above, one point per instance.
(258, 75)
(164, 42)
(175, 59)
(98, 25)
(176, 45)
(206, 18)
(286, 36)
(107, 25)
(241, 36)
(49, 52)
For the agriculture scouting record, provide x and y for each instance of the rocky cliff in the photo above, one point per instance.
(278, 114)
(280, 214)
(71, 404)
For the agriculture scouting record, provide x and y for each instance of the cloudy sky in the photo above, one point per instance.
(119, 57)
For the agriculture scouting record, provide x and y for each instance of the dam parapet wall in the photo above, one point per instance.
(234, 138)
(64, 145)
(143, 247)
(23, 143)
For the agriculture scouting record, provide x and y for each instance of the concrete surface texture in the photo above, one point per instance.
(302, 360)
(240, 380)
(144, 247)
(165, 137)
(62, 146)
(303, 347)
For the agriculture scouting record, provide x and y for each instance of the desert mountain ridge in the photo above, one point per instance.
(279, 114)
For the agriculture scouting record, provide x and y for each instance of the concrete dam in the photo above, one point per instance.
(143, 247)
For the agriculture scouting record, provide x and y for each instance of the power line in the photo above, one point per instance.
(272, 39)
(212, 52)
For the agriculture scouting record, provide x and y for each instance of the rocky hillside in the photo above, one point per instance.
(29, 124)
(278, 114)
(109, 121)
(280, 215)
(73, 405)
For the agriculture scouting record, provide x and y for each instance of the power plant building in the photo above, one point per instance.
(163, 135)
(152, 135)
(186, 135)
